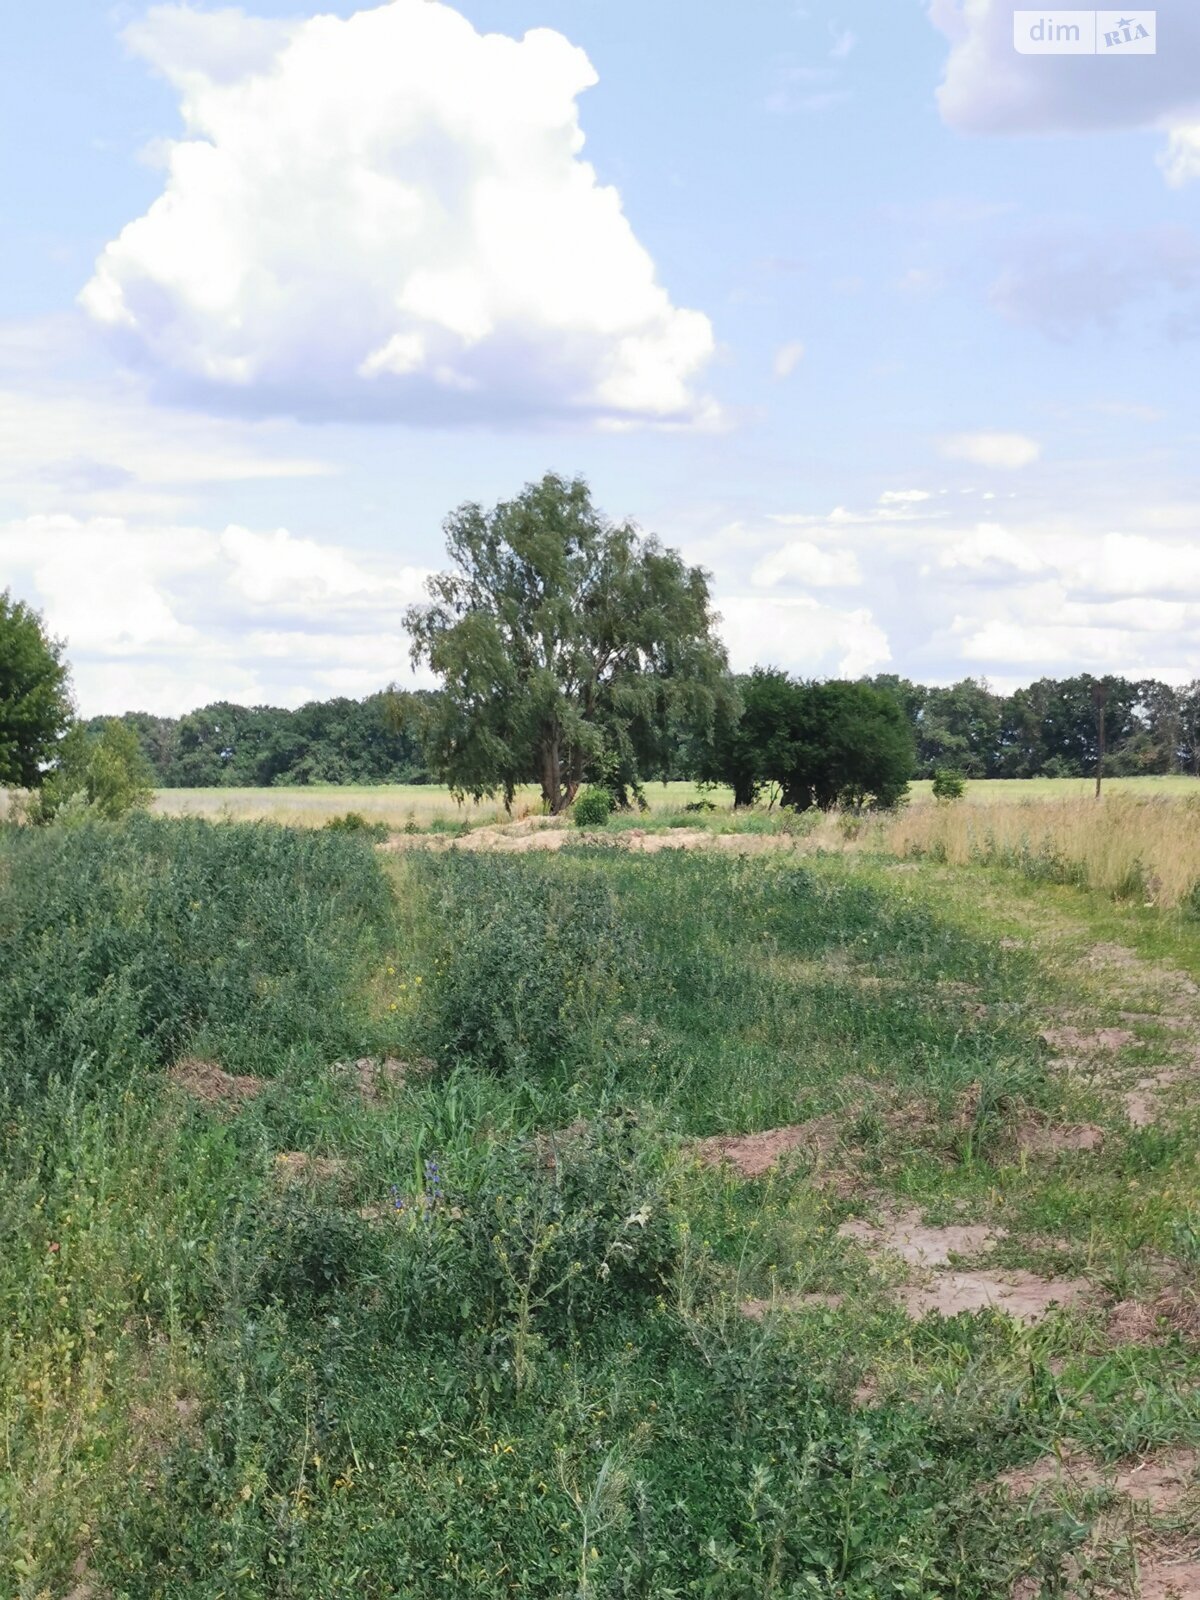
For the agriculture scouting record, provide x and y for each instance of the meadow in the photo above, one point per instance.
(398, 804)
(590, 1223)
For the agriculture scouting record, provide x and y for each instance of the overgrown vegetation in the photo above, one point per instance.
(470, 1325)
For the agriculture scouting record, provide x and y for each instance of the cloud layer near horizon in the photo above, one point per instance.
(388, 216)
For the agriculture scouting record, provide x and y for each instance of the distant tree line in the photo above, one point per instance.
(1045, 730)
(1049, 729)
(232, 746)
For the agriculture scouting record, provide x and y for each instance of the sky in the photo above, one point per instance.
(891, 327)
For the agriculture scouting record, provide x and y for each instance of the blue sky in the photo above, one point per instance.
(893, 329)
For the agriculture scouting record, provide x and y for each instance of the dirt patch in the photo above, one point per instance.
(1140, 1322)
(1142, 1104)
(1036, 1138)
(1155, 1019)
(916, 1242)
(375, 1079)
(1167, 1578)
(294, 1167)
(206, 1081)
(1076, 1041)
(1157, 1485)
(751, 1155)
(1022, 1295)
(756, 1310)
(1014, 944)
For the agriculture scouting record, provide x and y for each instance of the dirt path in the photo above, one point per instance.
(552, 833)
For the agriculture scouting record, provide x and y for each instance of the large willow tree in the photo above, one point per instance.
(569, 648)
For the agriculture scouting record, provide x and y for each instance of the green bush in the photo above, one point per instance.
(546, 1244)
(355, 822)
(530, 960)
(101, 776)
(949, 784)
(592, 808)
(127, 945)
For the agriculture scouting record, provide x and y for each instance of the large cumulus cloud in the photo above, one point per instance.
(388, 216)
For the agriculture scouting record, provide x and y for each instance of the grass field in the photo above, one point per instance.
(397, 804)
(590, 1224)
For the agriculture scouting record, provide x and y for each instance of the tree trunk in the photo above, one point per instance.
(550, 777)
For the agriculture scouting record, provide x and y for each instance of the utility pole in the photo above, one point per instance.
(1099, 699)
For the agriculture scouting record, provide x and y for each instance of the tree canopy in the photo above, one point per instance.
(99, 773)
(820, 744)
(35, 699)
(568, 647)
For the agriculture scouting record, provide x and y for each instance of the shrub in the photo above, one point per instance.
(593, 807)
(949, 784)
(126, 945)
(355, 822)
(550, 1242)
(104, 776)
(527, 966)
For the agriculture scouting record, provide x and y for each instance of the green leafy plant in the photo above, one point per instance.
(102, 776)
(949, 784)
(592, 808)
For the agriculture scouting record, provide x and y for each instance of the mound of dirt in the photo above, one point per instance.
(1079, 1042)
(1036, 1138)
(1022, 1295)
(753, 1154)
(206, 1081)
(294, 1167)
(1142, 1104)
(1157, 1484)
(1174, 1312)
(375, 1079)
(930, 1250)
(916, 1242)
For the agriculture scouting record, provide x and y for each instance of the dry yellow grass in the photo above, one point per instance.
(1124, 844)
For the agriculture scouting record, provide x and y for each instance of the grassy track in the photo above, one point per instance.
(501, 1324)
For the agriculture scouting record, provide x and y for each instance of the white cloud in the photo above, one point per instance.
(807, 563)
(1005, 450)
(990, 546)
(904, 497)
(166, 617)
(1181, 159)
(104, 450)
(990, 87)
(801, 635)
(1132, 564)
(787, 358)
(388, 216)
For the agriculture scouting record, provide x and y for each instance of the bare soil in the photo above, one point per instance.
(375, 1079)
(1036, 1138)
(206, 1081)
(294, 1167)
(1158, 1483)
(931, 1250)
(753, 1154)
(1077, 1041)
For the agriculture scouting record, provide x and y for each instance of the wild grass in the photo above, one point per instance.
(1134, 848)
(492, 1346)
